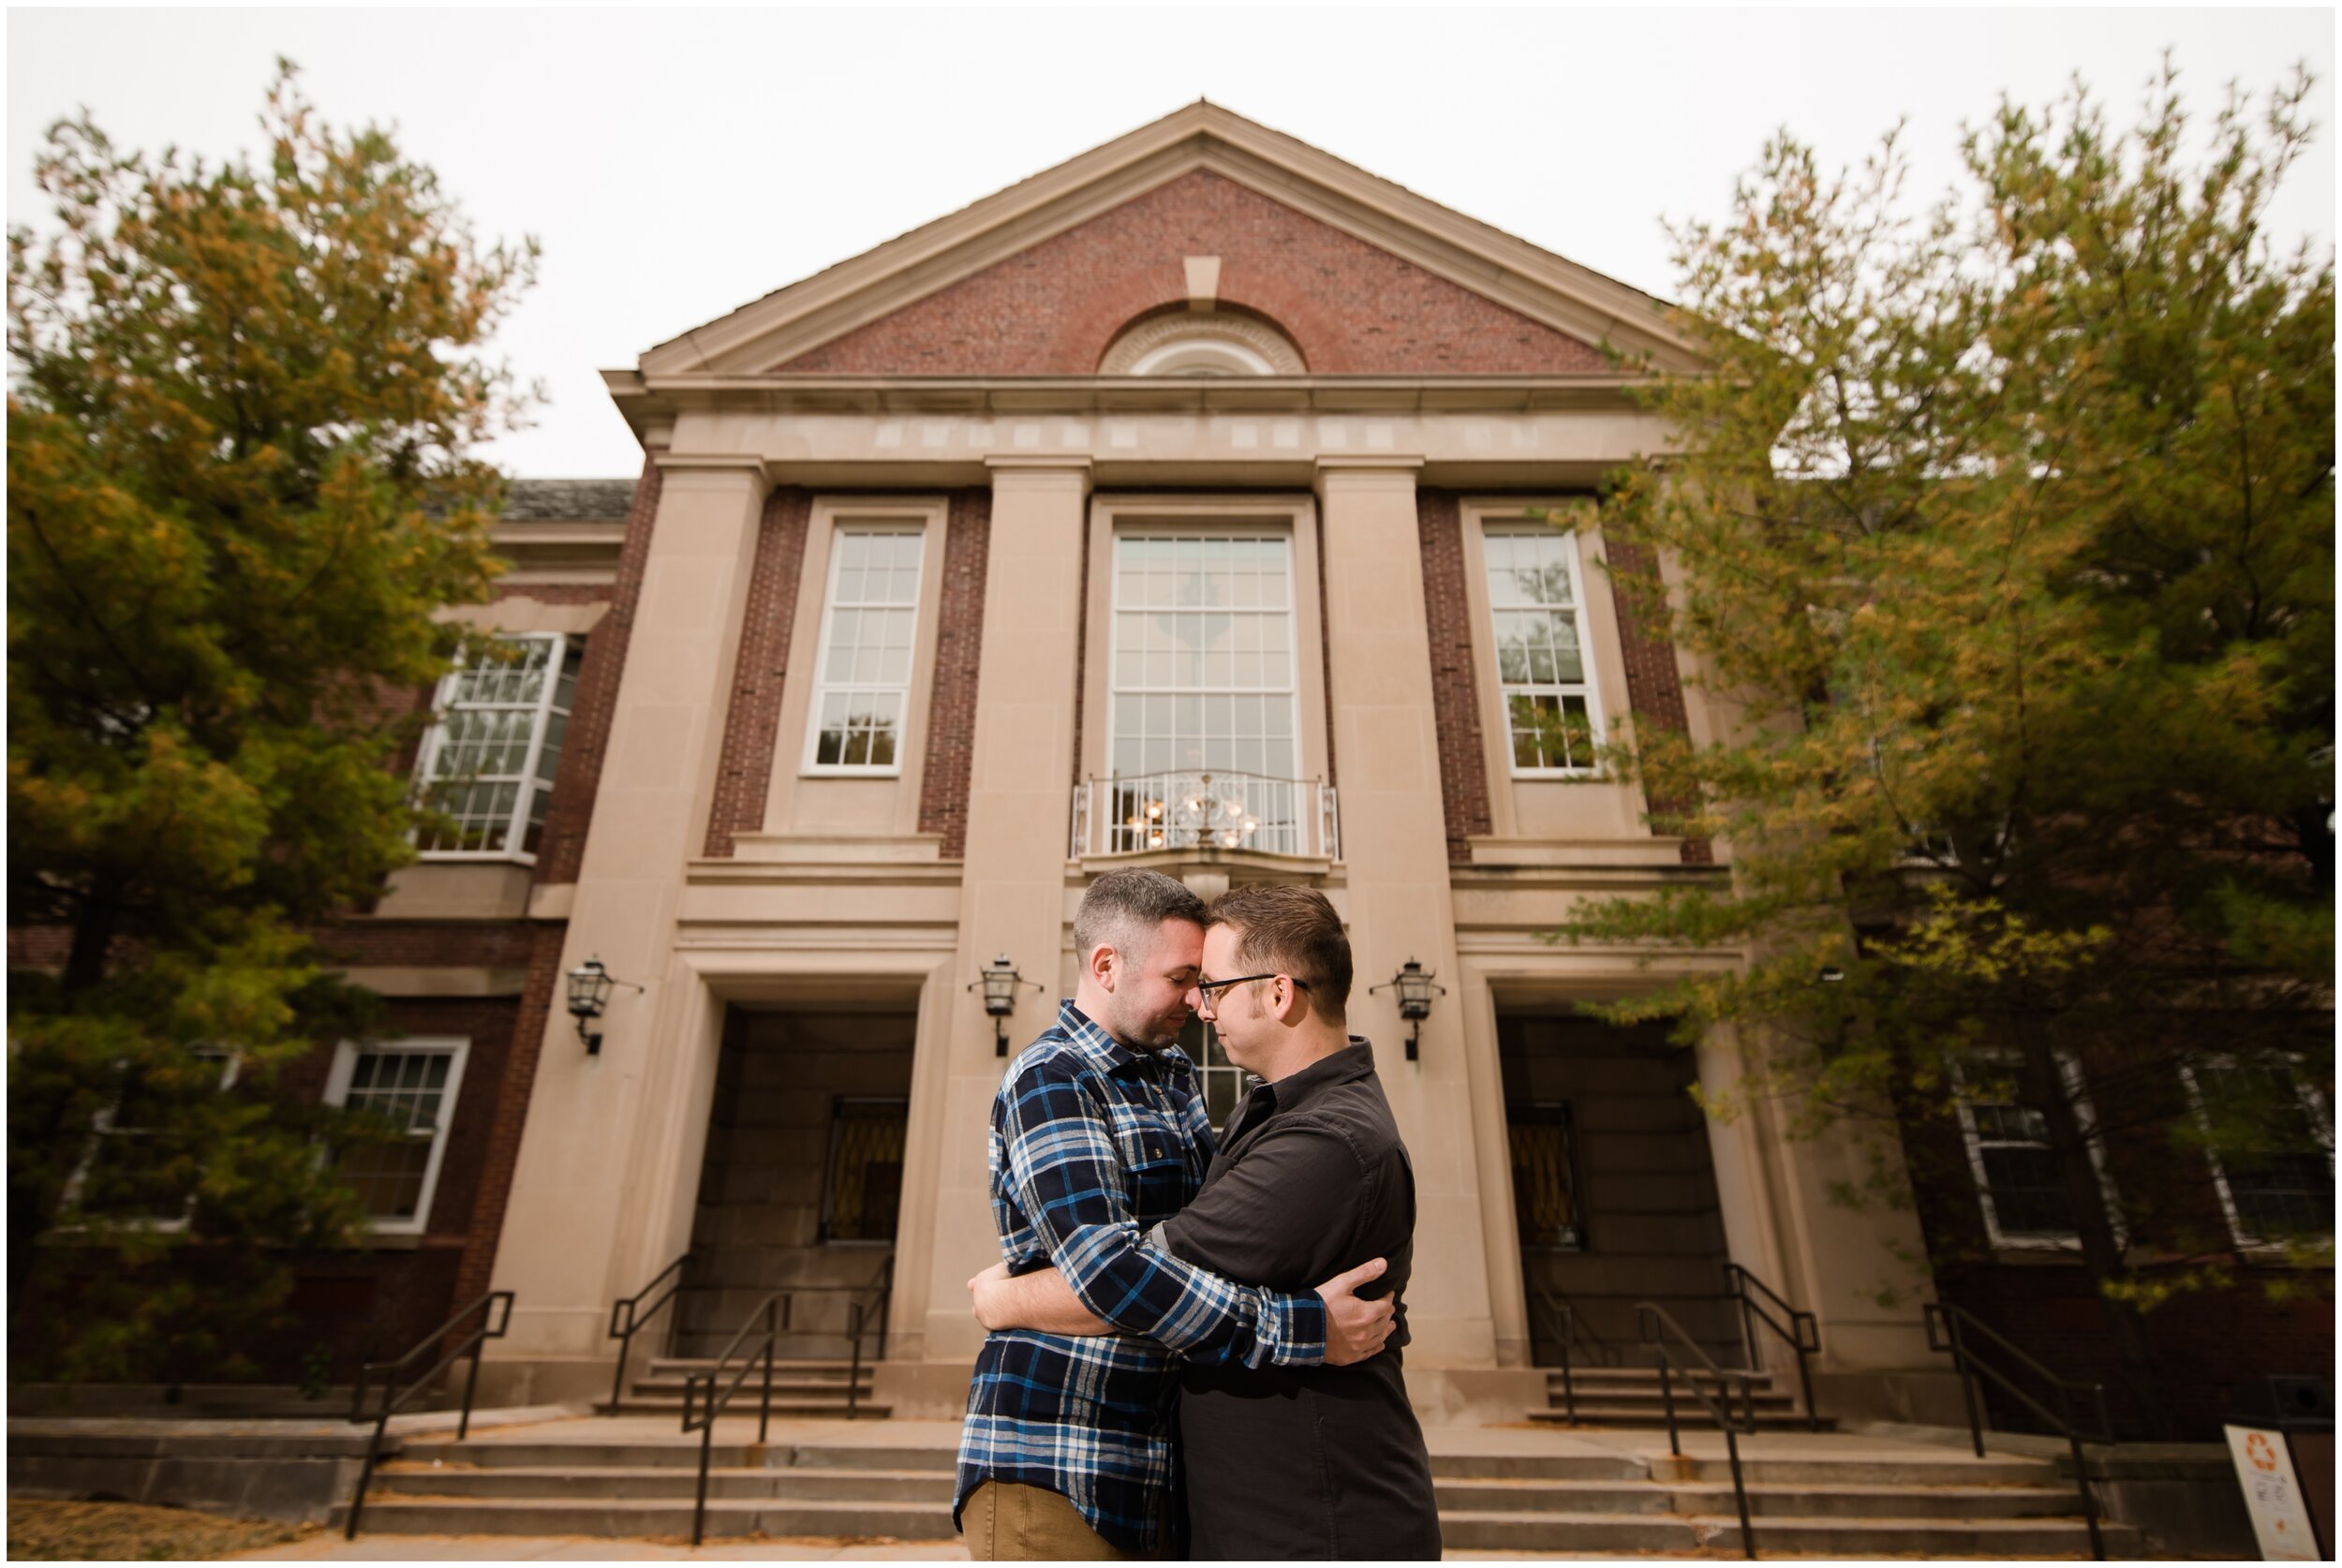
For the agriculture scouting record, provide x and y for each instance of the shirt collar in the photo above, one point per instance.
(1353, 1061)
(1103, 1051)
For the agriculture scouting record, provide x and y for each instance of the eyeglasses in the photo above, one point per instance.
(1204, 989)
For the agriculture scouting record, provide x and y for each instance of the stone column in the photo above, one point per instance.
(608, 1156)
(1394, 848)
(1013, 880)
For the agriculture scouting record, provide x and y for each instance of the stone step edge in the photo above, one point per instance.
(407, 1468)
(1817, 1522)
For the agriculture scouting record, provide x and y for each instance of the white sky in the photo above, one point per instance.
(677, 164)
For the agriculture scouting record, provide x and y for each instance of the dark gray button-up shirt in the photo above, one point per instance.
(1319, 1462)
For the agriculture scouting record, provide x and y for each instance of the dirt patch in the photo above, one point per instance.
(43, 1531)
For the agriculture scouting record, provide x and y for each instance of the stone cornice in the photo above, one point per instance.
(650, 400)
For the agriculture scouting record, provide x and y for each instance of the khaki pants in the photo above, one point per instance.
(1006, 1522)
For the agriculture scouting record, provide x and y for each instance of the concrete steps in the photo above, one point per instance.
(1610, 1534)
(1629, 1397)
(633, 1483)
(800, 1387)
(622, 1520)
(1820, 1497)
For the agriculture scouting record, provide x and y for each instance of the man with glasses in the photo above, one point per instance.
(1283, 1459)
(1099, 1135)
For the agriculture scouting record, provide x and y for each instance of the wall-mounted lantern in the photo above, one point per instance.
(590, 985)
(999, 983)
(1415, 988)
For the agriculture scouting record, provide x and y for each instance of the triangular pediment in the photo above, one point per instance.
(1202, 176)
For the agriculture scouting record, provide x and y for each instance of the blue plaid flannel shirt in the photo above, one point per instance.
(1093, 1145)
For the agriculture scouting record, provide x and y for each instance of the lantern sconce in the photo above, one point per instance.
(1415, 989)
(1000, 982)
(590, 985)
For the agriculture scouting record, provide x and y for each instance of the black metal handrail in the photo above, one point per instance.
(1567, 1329)
(628, 1316)
(1952, 1330)
(1801, 1332)
(882, 1286)
(1654, 1325)
(773, 1309)
(492, 1326)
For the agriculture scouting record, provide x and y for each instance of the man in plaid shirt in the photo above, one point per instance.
(1099, 1134)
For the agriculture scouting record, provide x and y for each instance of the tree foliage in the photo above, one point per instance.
(2002, 537)
(241, 477)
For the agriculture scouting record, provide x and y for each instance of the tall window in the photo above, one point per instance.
(2282, 1186)
(872, 623)
(2018, 1180)
(488, 765)
(1541, 657)
(1203, 656)
(407, 1090)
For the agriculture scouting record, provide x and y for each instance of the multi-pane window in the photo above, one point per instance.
(1203, 656)
(1224, 1081)
(143, 1157)
(863, 1193)
(864, 683)
(2019, 1181)
(2280, 1185)
(1541, 658)
(406, 1092)
(488, 765)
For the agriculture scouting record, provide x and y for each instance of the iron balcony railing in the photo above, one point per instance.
(1219, 810)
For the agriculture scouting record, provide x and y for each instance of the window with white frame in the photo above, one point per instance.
(138, 1166)
(2281, 1188)
(1203, 656)
(2018, 1183)
(863, 683)
(1542, 660)
(488, 765)
(406, 1090)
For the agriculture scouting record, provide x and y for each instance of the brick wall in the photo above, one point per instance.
(373, 945)
(1654, 686)
(1053, 309)
(752, 723)
(958, 644)
(580, 777)
(2205, 1342)
(501, 1135)
(1447, 622)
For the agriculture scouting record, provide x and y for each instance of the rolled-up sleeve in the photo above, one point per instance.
(1064, 1170)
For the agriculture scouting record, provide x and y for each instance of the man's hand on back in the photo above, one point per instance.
(1356, 1329)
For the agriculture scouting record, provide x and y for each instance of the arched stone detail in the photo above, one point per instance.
(1255, 339)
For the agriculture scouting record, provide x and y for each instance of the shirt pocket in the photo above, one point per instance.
(1154, 1168)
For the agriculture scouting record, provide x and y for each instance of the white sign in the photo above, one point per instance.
(2273, 1495)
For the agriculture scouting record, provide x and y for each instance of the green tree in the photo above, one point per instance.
(246, 398)
(2002, 535)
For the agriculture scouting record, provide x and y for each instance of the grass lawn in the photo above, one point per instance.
(43, 1532)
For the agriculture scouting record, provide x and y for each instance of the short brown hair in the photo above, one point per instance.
(1291, 930)
(1125, 909)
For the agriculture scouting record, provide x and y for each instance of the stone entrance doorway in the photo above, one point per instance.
(1614, 1192)
(803, 1182)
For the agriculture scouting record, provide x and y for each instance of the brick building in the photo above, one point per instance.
(1180, 505)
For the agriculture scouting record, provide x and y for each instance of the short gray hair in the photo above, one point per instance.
(1123, 910)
